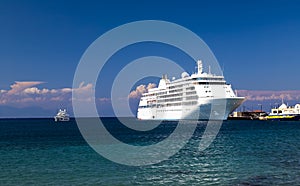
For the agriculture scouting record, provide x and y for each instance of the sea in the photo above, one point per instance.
(44, 152)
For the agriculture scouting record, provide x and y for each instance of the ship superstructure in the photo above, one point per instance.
(200, 96)
(285, 113)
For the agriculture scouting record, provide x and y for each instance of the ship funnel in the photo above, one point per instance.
(200, 66)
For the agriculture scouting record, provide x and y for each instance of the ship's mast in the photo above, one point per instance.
(200, 66)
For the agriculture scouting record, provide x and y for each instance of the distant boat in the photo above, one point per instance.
(62, 115)
(284, 113)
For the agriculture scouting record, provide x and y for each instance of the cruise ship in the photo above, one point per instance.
(200, 96)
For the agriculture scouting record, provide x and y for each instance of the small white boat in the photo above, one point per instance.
(62, 115)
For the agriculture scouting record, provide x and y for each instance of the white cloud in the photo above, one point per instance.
(19, 86)
(151, 85)
(66, 90)
(83, 93)
(32, 90)
(104, 99)
(53, 91)
(137, 93)
(84, 88)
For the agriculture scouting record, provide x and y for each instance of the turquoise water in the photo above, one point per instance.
(41, 152)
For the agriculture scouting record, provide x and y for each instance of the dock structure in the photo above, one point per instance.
(247, 115)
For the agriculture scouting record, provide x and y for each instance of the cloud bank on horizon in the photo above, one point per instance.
(26, 94)
(269, 95)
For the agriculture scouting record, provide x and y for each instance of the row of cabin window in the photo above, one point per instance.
(177, 99)
(169, 104)
(169, 100)
(173, 95)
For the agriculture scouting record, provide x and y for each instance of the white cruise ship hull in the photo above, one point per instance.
(201, 96)
(206, 109)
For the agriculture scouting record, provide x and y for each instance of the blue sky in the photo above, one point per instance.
(257, 42)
